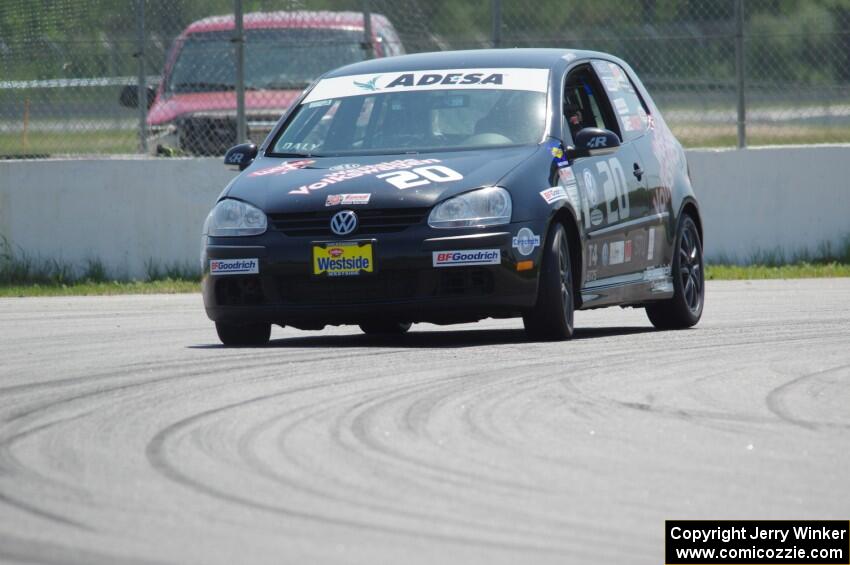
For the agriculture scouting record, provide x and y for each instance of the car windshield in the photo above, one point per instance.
(411, 120)
(274, 58)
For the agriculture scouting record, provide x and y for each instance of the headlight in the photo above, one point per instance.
(231, 218)
(484, 207)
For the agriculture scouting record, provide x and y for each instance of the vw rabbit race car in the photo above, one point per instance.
(455, 186)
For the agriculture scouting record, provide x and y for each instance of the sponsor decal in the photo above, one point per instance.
(605, 254)
(466, 257)
(234, 266)
(566, 175)
(319, 103)
(590, 189)
(617, 253)
(569, 57)
(525, 241)
(302, 146)
(622, 107)
(596, 216)
(535, 80)
(344, 167)
(347, 199)
(366, 170)
(591, 276)
(283, 168)
(592, 254)
(342, 259)
(650, 246)
(628, 250)
(554, 194)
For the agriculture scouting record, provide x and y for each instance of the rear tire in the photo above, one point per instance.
(383, 327)
(685, 308)
(240, 335)
(552, 316)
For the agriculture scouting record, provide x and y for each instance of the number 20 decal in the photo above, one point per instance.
(615, 189)
(420, 176)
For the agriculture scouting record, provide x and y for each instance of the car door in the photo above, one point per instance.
(632, 113)
(613, 191)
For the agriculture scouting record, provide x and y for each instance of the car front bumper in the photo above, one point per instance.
(405, 287)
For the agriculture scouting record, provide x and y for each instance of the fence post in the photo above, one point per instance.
(239, 41)
(740, 74)
(141, 86)
(496, 9)
(368, 48)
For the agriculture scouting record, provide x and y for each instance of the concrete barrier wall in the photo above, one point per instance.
(788, 199)
(124, 212)
(130, 212)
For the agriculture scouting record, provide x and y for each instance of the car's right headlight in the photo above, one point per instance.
(489, 206)
(232, 218)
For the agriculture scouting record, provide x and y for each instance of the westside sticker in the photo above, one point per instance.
(234, 266)
(283, 168)
(466, 257)
(554, 194)
(347, 199)
(534, 80)
(525, 241)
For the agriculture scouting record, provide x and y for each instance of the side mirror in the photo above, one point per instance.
(241, 155)
(591, 142)
(129, 96)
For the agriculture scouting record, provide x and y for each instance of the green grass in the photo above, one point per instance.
(69, 141)
(22, 274)
(83, 288)
(796, 271)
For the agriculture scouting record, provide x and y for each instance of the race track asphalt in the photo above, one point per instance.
(128, 435)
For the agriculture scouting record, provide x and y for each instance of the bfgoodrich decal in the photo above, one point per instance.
(466, 257)
(535, 80)
(234, 266)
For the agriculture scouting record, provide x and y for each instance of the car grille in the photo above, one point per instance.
(313, 224)
(380, 287)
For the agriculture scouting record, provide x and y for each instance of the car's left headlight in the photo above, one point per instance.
(231, 218)
(484, 207)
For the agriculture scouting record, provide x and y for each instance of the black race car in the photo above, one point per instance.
(455, 186)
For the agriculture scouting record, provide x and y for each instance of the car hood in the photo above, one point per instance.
(279, 185)
(273, 102)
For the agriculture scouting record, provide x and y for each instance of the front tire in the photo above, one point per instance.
(685, 308)
(241, 335)
(552, 316)
(383, 327)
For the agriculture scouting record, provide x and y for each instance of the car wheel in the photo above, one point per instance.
(243, 334)
(384, 327)
(552, 316)
(685, 308)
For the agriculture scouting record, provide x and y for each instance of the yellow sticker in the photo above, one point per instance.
(342, 259)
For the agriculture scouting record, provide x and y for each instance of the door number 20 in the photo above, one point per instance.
(615, 189)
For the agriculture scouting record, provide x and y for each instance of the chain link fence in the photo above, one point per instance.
(725, 72)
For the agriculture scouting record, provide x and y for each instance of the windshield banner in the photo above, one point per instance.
(535, 80)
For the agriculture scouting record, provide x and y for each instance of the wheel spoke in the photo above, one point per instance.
(689, 293)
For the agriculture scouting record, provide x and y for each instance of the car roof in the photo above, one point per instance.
(285, 19)
(473, 58)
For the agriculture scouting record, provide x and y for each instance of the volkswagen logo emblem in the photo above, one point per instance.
(343, 223)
